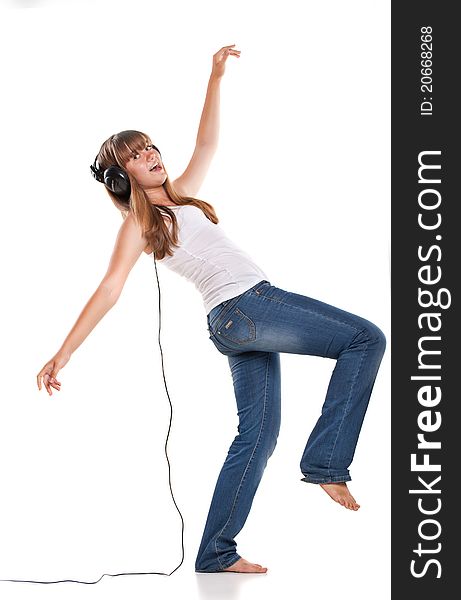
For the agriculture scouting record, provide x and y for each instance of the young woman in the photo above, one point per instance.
(249, 320)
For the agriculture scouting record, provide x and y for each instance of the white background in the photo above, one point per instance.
(301, 181)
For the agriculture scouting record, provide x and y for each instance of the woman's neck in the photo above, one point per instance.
(158, 195)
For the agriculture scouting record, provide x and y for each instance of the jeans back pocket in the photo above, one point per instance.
(216, 314)
(236, 327)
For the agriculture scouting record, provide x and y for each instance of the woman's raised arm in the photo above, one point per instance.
(189, 183)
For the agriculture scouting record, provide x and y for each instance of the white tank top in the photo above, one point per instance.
(219, 269)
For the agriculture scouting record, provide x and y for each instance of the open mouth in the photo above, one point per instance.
(156, 167)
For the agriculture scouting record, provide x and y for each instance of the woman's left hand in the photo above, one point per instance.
(219, 60)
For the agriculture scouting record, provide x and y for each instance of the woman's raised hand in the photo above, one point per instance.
(50, 371)
(219, 59)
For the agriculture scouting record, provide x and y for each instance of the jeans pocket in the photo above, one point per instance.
(219, 312)
(236, 327)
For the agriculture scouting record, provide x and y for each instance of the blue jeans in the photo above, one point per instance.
(251, 330)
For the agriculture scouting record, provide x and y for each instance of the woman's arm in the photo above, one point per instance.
(189, 183)
(128, 247)
(97, 306)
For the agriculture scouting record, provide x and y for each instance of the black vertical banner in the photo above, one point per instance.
(425, 298)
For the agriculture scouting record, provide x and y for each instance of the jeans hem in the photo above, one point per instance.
(221, 569)
(328, 479)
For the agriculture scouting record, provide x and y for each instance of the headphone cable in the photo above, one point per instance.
(169, 481)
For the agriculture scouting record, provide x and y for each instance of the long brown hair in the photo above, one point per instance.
(117, 150)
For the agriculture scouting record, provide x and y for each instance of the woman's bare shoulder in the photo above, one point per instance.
(130, 222)
(129, 245)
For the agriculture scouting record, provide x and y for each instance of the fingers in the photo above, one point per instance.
(51, 382)
(227, 50)
(48, 381)
(41, 376)
(231, 50)
(57, 387)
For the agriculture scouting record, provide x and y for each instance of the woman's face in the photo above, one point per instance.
(147, 168)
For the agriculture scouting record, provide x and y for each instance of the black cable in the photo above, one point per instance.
(169, 481)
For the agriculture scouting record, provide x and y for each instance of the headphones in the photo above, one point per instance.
(114, 178)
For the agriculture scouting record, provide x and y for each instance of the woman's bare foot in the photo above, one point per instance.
(243, 566)
(341, 494)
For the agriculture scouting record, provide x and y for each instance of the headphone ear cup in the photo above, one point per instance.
(117, 181)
